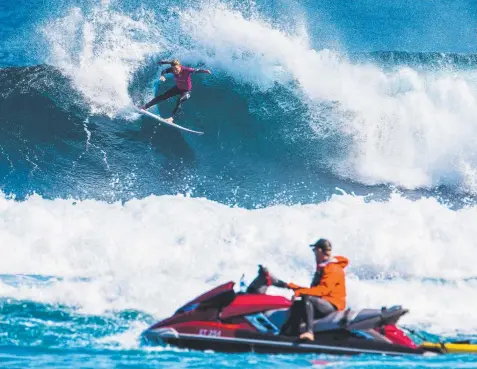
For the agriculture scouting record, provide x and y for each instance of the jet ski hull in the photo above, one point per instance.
(245, 341)
(223, 321)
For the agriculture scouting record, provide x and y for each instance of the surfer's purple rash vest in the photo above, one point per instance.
(183, 80)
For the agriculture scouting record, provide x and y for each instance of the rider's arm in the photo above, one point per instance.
(293, 286)
(327, 284)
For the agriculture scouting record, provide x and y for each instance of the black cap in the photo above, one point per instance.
(322, 244)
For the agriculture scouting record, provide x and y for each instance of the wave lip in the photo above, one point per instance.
(100, 50)
(404, 125)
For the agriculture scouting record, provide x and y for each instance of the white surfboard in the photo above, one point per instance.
(162, 120)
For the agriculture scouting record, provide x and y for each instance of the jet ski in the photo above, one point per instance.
(225, 321)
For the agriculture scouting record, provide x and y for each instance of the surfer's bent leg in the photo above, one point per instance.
(166, 95)
(185, 95)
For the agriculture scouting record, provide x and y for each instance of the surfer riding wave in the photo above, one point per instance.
(183, 87)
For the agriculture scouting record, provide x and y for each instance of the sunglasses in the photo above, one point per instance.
(317, 248)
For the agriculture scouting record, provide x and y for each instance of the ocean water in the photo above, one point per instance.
(354, 121)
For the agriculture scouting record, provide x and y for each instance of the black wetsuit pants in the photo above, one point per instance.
(308, 309)
(174, 91)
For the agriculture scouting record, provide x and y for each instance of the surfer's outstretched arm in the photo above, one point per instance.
(165, 71)
(206, 71)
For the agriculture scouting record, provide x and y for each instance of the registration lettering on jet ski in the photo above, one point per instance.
(210, 332)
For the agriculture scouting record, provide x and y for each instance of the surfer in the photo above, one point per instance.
(183, 87)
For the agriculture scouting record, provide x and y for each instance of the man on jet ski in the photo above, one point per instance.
(326, 294)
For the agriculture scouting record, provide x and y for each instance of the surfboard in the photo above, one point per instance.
(162, 120)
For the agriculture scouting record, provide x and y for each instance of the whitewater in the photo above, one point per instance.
(109, 222)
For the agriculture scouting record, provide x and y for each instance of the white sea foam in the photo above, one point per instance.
(100, 50)
(408, 127)
(156, 253)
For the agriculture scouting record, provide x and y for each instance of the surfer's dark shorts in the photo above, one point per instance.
(174, 91)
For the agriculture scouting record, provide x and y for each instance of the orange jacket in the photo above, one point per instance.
(332, 287)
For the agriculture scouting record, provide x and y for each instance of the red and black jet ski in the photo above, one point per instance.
(226, 321)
